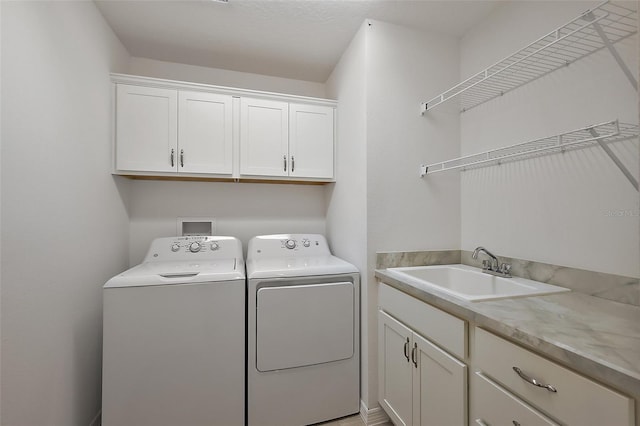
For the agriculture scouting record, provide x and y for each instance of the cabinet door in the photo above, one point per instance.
(311, 141)
(205, 133)
(394, 369)
(146, 129)
(439, 385)
(264, 137)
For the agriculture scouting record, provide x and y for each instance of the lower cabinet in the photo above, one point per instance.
(423, 382)
(512, 381)
(419, 383)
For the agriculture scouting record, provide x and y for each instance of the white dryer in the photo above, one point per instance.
(174, 336)
(303, 353)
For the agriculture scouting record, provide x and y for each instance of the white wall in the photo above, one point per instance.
(242, 210)
(404, 68)
(554, 209)
(220, 77)
(347, 198)
(379, 201)
(64, 218)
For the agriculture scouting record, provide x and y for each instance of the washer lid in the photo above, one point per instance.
(276, 267)
(179, 272)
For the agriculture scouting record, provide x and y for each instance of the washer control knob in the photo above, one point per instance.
(290, 244)
(175, 247)
(306, 243)
(194, 247)
(214, 246)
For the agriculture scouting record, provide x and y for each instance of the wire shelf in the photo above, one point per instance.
(605, 133)
(593, 30)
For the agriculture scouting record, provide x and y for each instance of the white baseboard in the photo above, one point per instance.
(97, 420)
(373, 416)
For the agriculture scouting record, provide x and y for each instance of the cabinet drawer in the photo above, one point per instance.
(438, 326)
(577, 400)
(495, 406)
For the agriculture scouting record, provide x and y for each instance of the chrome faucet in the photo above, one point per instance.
(492, 266)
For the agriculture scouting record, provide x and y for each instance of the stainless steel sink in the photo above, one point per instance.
(469, 283)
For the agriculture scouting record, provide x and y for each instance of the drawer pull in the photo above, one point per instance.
(533, 381)
(406, 349)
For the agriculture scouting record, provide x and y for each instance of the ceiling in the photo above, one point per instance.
(298, 39)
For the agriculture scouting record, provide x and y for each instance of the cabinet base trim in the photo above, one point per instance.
(223, 179)
(373, 416)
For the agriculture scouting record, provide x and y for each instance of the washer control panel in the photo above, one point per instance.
(190, 247)
(194, 244)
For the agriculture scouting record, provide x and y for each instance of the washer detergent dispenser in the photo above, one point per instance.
(174, 336)
(303, 332)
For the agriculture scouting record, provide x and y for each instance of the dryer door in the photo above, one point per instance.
(303, 325)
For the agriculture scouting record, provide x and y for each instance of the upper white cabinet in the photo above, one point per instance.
(264, 137)
(311, 141)
(286, 139)
(146, 128)
(174, 129)
(205, 133)
(165, 130)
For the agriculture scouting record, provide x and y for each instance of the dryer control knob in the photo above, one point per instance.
(175, 247)
(194, 247)
(290, 244)
(306, 243)
(214, 246)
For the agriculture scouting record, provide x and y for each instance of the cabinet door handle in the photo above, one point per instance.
(413, 355)
(182, 158)
(533, 381)
(406, 349)
(293, 163)
(173, 151)
(284, 157)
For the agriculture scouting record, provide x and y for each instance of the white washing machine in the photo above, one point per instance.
(303, 357)
(174, 336)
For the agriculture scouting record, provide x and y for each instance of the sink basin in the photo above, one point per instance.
(469, 283)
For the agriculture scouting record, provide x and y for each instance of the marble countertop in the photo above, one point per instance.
(593, 336)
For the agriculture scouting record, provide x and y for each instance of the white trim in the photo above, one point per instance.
(97, 420)
(374, 416)
(233, 91)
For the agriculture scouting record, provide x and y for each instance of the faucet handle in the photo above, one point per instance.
(505, 268)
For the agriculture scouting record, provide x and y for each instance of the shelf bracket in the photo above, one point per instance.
(423, 170)
(625, 69)
(615, 159)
